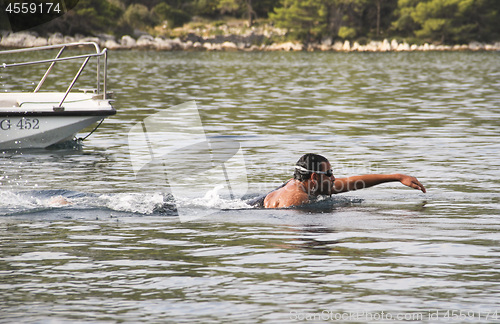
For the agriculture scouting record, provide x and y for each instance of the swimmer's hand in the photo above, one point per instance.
(411, 182)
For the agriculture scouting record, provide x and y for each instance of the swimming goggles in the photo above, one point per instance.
(328, 173)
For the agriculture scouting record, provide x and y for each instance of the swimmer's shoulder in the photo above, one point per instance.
(259, 201)
(289, 195)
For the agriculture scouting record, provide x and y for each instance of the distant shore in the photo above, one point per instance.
(248, 43)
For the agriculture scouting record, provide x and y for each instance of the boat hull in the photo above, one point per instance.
(18, 132)
(34, 120)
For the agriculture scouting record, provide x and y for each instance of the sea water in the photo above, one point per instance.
(84, 239)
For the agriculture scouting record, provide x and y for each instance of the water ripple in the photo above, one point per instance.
(118, 253)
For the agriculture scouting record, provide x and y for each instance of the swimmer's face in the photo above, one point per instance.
(325, 179)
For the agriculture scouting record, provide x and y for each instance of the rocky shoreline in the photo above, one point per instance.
(250, 42)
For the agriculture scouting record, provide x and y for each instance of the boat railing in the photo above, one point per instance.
(102, 65)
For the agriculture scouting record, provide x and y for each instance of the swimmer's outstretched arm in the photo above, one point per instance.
(370, 180)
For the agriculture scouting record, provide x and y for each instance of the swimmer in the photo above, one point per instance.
(313, 177)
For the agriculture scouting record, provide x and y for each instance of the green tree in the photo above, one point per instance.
(238, 8)
(137, 16)
(207, 8)
(88, 17)
(404, 24)
(445, 21)
(175, 17)
(448, 21)
(347, 18)
(487, 15)
(377, 16)
(311, 20)
(442, 20)
(264, 7)
(305, 19)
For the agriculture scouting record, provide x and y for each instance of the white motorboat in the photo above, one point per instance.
(39, 119)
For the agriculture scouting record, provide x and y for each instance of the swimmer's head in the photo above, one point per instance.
(308, 164)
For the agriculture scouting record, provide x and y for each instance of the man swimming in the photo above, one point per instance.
(313, 177)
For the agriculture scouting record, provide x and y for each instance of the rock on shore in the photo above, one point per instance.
(229, 43)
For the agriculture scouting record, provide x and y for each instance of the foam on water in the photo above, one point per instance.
(131, 202)
(25, 202)
(12, 202)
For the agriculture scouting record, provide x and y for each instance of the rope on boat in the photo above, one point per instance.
(84, 138)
